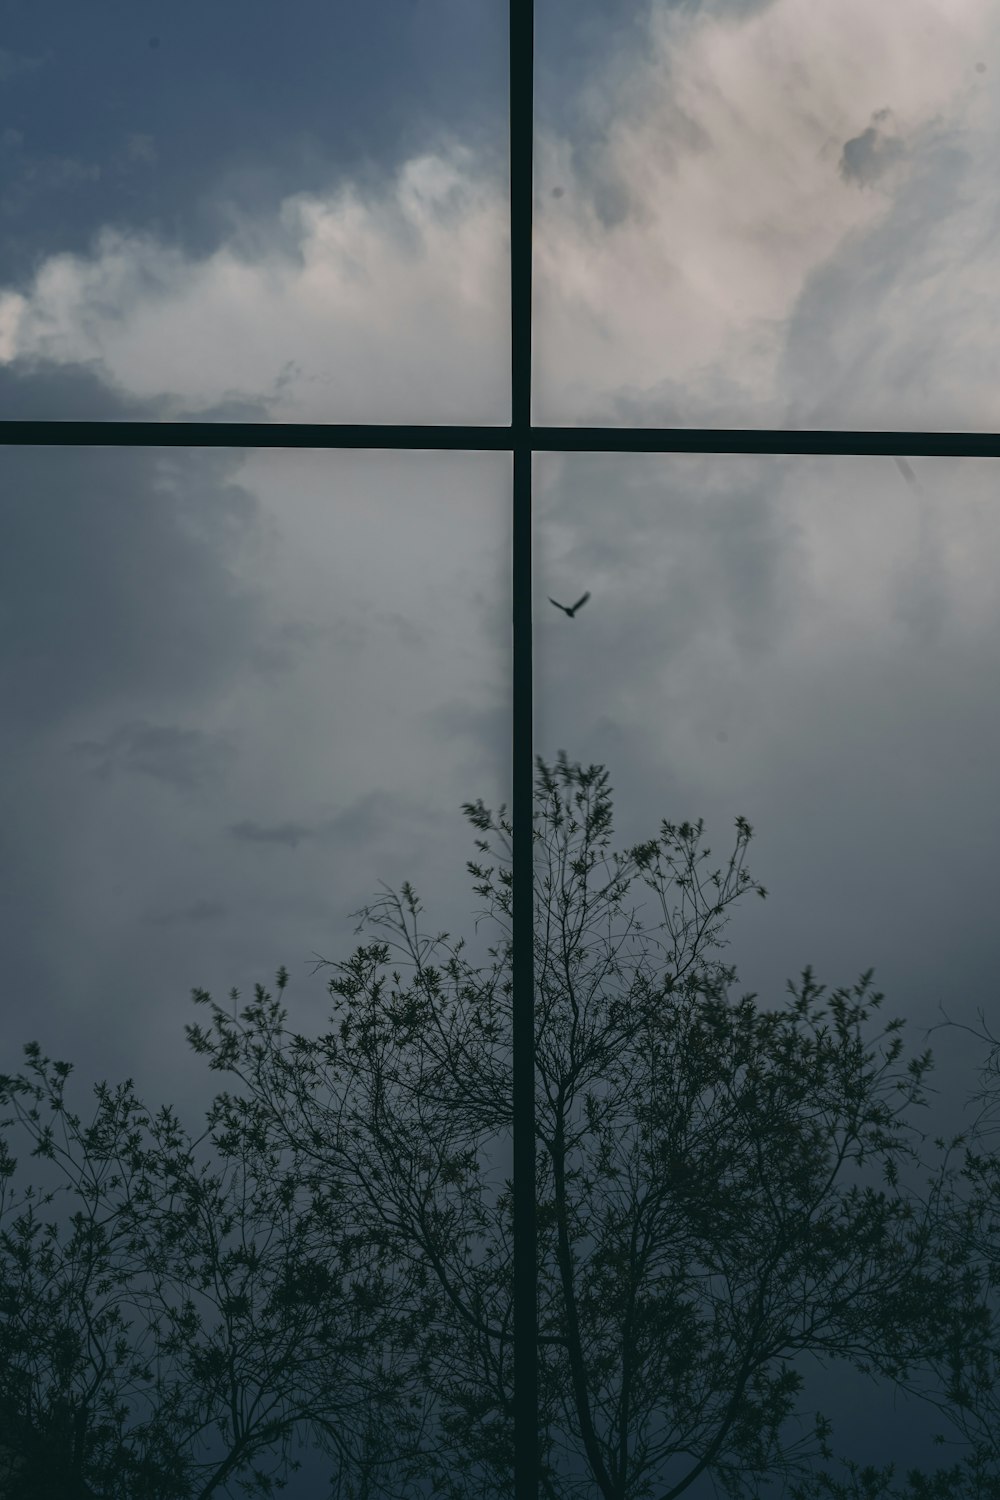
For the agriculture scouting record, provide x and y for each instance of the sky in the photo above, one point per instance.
(241, 688)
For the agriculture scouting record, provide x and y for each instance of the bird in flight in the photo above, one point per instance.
(906, 471)
(570, 609)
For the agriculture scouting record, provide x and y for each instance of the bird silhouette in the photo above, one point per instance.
(906, 471)
(570, 609)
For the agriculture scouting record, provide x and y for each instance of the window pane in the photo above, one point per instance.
(776, 215)
(811, 644)
(241, 215)
(240, 689)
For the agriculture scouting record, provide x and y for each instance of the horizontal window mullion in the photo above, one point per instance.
(376, 435)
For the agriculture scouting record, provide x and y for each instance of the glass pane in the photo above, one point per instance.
(767, 215)
(240, 689)
(235, 215)
(811, 644)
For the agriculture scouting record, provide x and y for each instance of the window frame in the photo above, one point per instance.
(521, 440)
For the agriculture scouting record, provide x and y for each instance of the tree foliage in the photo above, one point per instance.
(718, 1184)
(178, 1310)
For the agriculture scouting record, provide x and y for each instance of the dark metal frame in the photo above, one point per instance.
(521, 440)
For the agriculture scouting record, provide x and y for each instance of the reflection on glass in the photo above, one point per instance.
(229, 219)
(776, 686)
(766, 216)
(241, 689)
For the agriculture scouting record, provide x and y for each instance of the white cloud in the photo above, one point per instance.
(729, 144)
(396, 307)
(803, 222)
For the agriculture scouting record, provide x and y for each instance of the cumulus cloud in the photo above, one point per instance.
(702, 233)
(729, 145)
(338, 304)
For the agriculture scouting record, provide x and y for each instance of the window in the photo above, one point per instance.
(521, 440)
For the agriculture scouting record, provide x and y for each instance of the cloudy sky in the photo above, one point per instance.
(242, 688)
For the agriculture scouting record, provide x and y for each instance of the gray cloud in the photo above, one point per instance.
(199, 913)
(802, 641)
(121, 578)
(866, 157)
(284, 833)
(181, 758)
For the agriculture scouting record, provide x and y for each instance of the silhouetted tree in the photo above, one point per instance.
(183, 1309)
(711, 1154)
(959, 1377)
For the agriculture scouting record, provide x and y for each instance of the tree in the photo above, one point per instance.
(713, 1153)
(246, 1325)
(964, 1373)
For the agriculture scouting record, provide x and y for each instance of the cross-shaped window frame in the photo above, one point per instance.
(520, 439)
